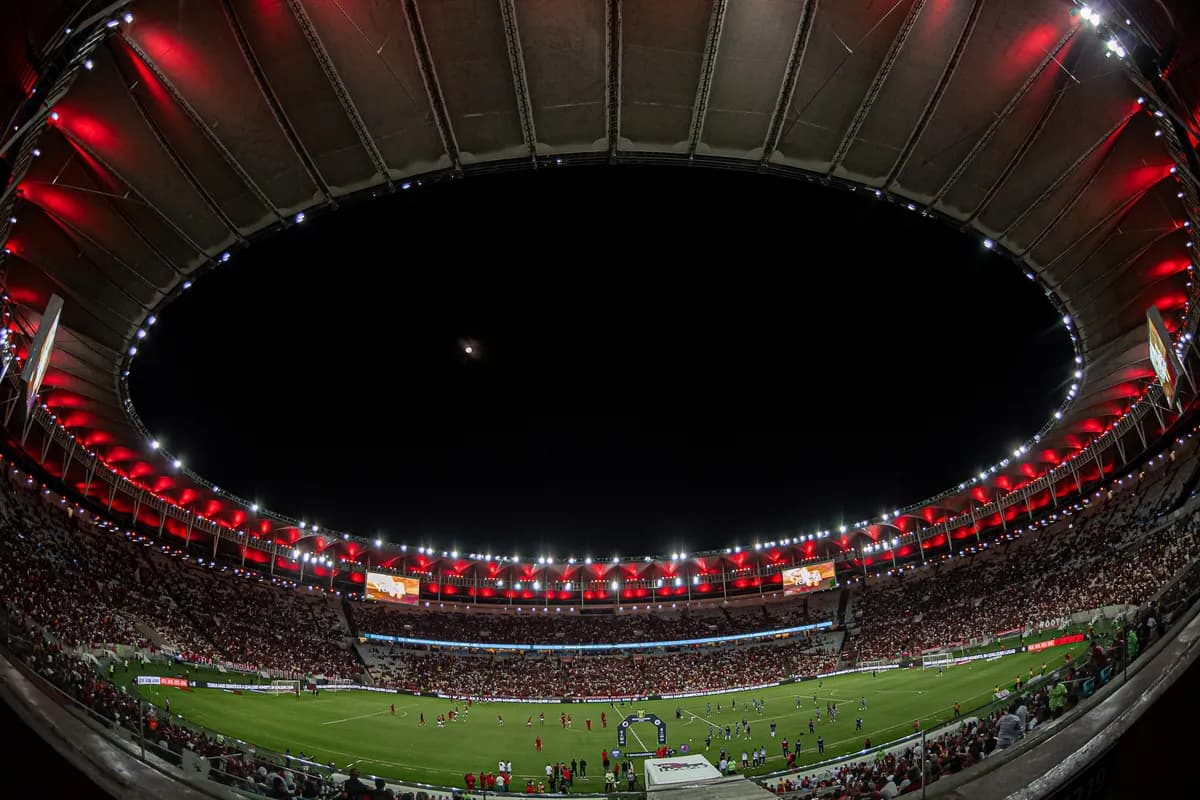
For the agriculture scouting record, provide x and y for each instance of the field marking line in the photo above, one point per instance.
(639, 739)
(360, 716)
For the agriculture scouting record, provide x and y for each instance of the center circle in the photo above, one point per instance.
(658, 357)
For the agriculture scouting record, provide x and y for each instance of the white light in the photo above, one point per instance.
(133, 351)
(454, 554)
(613, 585)
(225, 256)
(616, 559)
(154, 444)
(141, 334)
(379, 543)
(177, 463)
(1066, 319)
(187, 285)
(88, 64)
(300, 218)
(468, 349)
(216, 488)
(254, 507)
(150, 320)
(112, 23)
(989, 244)
(128, 17)
(1058, 415)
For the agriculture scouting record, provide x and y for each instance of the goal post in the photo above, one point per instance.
(289, 686)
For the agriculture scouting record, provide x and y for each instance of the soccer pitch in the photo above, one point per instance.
(359, 729)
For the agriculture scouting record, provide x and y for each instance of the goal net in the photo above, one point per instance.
(943, 659)
(282, 687)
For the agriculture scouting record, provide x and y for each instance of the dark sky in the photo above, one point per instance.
(668, 359)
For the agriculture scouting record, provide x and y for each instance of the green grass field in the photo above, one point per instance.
(357, 728)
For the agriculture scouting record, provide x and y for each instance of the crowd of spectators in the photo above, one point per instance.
(485, 676)
(531, 627)
(88, 585)
(1101, 555)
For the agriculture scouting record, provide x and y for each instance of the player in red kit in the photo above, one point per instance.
(538, 743)
(563, 719)
(393, 709)
(589, 725)
(603, 720)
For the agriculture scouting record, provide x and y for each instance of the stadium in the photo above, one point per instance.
(1003, 637)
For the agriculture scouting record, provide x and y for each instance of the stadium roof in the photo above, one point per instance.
(192, 128)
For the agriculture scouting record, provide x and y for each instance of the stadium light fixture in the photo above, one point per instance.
(254, 507)
(88, 64)
(613, 585)
(177, 463)
(316, 528)
(154, 444)
(616, 559)
(300, 217)
(454, 554)
(128, 17)
(150, 320)
(303, 525)
(989, 244)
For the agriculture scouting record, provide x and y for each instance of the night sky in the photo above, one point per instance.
(667, 359)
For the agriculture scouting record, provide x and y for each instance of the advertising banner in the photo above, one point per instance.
(1061, 640)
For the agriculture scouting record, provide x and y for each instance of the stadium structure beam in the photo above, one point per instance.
(433, 89)
(272, 100)
(1118, 212)
(935, 98)
(516, 62)
(1109, 136)
(1075, 197)
(787, 88)
(198, 122)
(339, 89)
(712, 45)
(612, 75)
(1121, 265)
(1034, 134)
(75, 233)
(999, 119)
(876, 87)
(141, 198)
(99, 311)
(214, 208)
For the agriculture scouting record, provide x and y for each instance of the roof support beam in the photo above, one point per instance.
(89, 304)
(339, 89)
(1063, 76)
(873, 91)
(184, 169)
(999, 119)
(75, 233)
(1118, 213)
(516, 62)
(433, 89)
(1109, 136)
(1075, 197)
(273, 103)
(612, 82)
(716, 24)
(788, 87)
(209, 136)
(935, 99)
(96, 158)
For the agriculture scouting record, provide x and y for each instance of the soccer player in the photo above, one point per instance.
(604, 719)
(570, 722)
(589, 724)
(784, 745)
(939, 670)
(916, 726)
(810, 725)
(529, 722)
(538, 743)
(563, 719)
(797, 701)
(862, 703)
(820, 746)
(957, 712)
(858, 724)
(500, 719)
(708, 709)
(394, 710)
(772, 729)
